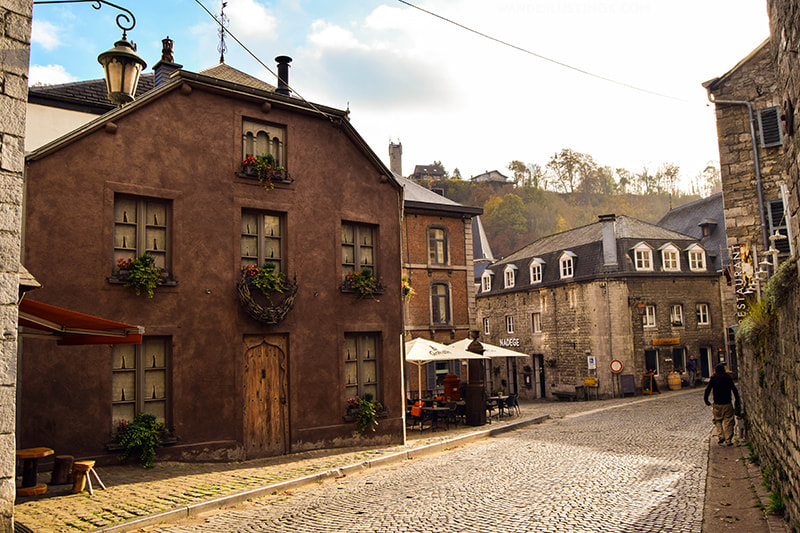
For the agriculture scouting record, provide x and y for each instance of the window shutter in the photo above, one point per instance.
(430, 375)
(770, 125)
(455, 368)
(777, 223)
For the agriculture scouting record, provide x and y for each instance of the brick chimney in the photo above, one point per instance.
(396, 158)
(164, 68)
(283, 75)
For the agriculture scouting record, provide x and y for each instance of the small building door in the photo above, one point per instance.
(538, 375)
(266, 419)
(705, 362)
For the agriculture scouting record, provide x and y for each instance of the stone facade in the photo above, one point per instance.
(15, 33)
(598, 313)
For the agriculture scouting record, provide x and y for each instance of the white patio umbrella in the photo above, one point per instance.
(489, 350)
(422, 351)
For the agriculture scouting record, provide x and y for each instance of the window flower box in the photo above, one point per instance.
(265, 170)
(362, 283)
(265, 295)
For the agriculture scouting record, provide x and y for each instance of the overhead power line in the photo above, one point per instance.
(540, 56)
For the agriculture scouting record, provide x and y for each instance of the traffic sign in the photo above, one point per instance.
(616, 366)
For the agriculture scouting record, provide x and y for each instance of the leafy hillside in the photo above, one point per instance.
(514, 216)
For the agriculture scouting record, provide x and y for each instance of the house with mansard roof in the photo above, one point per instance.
(619, 289)
(231, 373)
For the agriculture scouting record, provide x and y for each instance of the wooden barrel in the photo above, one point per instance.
(674, 381)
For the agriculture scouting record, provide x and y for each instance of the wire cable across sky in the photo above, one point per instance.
(544, 58)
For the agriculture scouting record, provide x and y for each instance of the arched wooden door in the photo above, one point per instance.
(266, 409)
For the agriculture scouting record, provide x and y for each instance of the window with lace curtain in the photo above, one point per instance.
(139, 382)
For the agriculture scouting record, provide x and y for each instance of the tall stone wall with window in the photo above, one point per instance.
(772, 387)
(15, 32)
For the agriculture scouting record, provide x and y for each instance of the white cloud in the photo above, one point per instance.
(249, 18)
(326, 36)
(45, 34)
(48, 75)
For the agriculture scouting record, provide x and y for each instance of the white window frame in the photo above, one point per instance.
(643, 257)
(676, 315)
(567, 265)
(536, 322)
(486, 330)
(670, 254)
(510, 324)
(486, 281)
(703, 315)
(697, 258)
(536, 269)
(509, 277)
(649, 316)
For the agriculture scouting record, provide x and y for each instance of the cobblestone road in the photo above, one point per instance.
(634, 468)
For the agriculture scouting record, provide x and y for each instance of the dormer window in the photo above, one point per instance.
(697, 258)
(509, 276)
(643, 256)
(567, 264)
(670, 258)
(486, 281)
(536, 267)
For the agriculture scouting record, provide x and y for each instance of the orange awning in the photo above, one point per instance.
(70, 327)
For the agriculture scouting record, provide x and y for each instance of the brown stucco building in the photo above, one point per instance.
(163, 175)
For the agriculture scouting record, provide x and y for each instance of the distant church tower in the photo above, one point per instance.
(396, 158)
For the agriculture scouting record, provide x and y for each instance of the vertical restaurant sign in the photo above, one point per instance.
(743, 275)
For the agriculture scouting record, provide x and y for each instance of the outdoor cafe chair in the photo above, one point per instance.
(512, 403)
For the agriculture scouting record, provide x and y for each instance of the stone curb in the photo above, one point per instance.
(775, 523)
(173, 515)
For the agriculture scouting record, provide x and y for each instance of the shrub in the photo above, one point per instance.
(141, 439)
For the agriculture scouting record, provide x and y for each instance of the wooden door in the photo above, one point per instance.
(266, 410)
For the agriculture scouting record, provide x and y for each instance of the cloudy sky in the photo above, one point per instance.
(474, 84)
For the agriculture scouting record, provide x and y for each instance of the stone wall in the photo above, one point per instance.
(15, 33)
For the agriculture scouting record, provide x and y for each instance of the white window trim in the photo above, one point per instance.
(509, 277)
(707, 313)
(486, 326)
(486, 281)
(536, 322)
(644, 252)
(536, 265)
(670, 249)
(566, 265)
(510, 324)
(696, 251)
(676, 315)
(647, 315)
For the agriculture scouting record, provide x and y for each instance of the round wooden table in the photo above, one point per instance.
(30, 470)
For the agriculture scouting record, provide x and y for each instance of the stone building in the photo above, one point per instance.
(15, 36)
(618, 289)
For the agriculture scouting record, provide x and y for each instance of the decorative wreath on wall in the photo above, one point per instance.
(260, 306)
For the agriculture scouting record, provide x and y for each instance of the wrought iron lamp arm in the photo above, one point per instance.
(125, 21)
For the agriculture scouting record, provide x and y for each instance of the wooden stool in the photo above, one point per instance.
(30, 471)
(81, 472)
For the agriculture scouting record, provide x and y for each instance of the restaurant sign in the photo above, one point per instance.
(506, 343)
(743, 262)
(666, 342)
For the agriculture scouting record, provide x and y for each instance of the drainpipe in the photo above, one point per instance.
(756, 162)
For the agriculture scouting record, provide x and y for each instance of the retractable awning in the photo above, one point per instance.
(70, 327)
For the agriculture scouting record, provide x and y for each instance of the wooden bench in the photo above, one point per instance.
(565, 396)
(30, 470)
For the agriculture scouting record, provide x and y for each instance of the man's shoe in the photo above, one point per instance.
(730, 443)
(721, 440)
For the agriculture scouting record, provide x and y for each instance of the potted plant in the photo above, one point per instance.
(362, 283)
(264, 168)
(140, 438)
(141, 274)
(266, 278)
(364, 412)
(407, 290)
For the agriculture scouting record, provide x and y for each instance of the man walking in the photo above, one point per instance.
(691, 370)
(722, 385)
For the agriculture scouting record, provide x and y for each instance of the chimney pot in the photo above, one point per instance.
(283, 75)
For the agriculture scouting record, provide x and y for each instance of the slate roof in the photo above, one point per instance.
(91, 96)
(586, 242)
(689, 219)
(417, 196)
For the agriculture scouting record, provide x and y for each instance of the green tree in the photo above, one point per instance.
(570, 168)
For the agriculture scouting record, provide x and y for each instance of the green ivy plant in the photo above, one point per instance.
(141, 438)
(363, 283)
(366, 412)
(143, 275)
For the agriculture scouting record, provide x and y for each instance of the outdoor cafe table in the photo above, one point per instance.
(435, 413)
(499, 401)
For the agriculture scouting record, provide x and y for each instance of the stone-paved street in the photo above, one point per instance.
(638, 467)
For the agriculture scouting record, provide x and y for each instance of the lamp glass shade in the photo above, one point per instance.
(122, 68)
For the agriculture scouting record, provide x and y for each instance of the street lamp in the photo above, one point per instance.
(121, 64)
